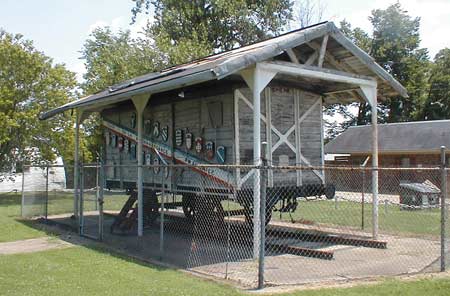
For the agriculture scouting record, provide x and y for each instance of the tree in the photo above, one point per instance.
(29, 85)
(111, 58)
(308, 12)
(394, 45)
(437, 105)
(186, 30)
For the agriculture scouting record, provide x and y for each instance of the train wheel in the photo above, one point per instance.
(151, 207)
(330, 191)
(189, 209)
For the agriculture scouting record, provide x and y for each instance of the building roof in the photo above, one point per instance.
(341, 54)
(405, 137)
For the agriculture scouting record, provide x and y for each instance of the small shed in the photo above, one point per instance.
(419, 195)
(271, 91)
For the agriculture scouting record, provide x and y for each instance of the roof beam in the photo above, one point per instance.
(318, 73)
(292, 56)
(369, 62)
(311, 58)
(323, 49)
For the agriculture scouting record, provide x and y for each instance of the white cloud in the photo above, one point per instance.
(123, 23)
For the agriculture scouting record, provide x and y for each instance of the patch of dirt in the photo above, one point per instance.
(32, 245)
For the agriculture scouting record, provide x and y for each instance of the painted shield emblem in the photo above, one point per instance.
(114, 140)
(148, 158)
(155, 132)
(147, 127)
(220, 154)
(179, 137)
(165, 133)
(120, 143)
(209, 147)
(107, 139)
(133, 120)
(126, 145)
(189, 137)
(156, 165)
(133, 150)
(199, 144)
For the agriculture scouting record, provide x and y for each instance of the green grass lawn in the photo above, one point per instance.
(82, 271)
(11, 228)
(393, 220)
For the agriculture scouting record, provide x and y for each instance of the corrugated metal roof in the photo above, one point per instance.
(226, 63)
(419, 136)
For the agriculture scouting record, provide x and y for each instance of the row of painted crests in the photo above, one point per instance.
(183, 139)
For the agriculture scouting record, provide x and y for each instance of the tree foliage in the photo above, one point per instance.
(395, 45)
(110, 58)
(186, 30)
(29, 85)
(437, 105)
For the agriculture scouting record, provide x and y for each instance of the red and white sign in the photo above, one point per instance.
(209, 147)
(199, 144)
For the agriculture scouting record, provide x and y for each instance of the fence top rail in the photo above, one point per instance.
(274, 167)
(244, 166)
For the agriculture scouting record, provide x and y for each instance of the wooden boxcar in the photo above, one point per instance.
(214, 125)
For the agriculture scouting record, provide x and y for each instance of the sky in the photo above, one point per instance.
(60, 27)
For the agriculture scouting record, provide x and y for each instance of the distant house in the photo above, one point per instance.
(400, 145)
(406, 144)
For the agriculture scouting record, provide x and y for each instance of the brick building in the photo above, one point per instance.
(401, 145)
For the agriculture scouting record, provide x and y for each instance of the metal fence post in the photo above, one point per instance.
(363, 197)
(22, 212)
(443, 207)
(161, 224)
(46, 194)
(97, 187)
(263, 213)
(101, 200)
(81, 199)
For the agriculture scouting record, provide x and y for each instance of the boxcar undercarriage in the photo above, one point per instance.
(203, 205)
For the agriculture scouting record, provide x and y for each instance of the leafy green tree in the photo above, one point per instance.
(395, 47)
(111, 58)
(29, 84)
(186, 30)
(437, 105)
(394, 44)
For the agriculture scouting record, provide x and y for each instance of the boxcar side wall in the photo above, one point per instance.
(291, 125)
(174, 129)
(221, 123)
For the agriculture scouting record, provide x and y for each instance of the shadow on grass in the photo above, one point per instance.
(68, 234)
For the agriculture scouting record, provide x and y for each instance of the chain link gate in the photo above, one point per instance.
(91, 187)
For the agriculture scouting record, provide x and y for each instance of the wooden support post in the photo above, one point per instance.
(140, 102)
(257, 79)
(370, 94)
(76, 164)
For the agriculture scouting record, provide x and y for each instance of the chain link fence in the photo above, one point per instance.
(258, 225)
